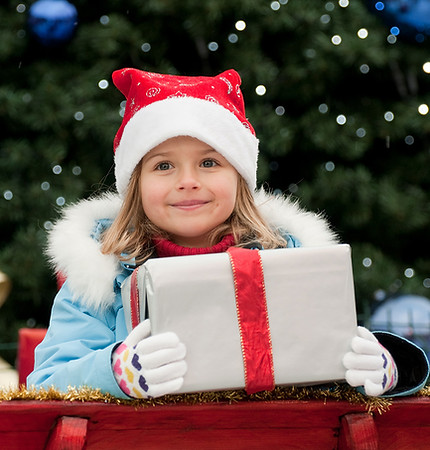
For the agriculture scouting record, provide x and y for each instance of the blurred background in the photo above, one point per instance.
(338, 92)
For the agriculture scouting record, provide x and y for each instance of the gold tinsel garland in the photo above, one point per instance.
(332, 393)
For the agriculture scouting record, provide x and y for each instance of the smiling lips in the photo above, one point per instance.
(189, 204)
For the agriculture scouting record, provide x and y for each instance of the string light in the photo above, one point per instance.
(310, 53)
(240, 25)
(379, 295)
(336, 40)
(213, 46)
(260, 90)
(409, 272)
(48, 225)
(60, 201)
(57, 169)
(323, 108)
(423, 109)
(103, 84)
(367, 262)
(362, 33)
(389, 116)
(8, 195)
(325, 18)
(409, 140)
(122, 106)
(341, 119)
(329, 166)
(233, 38)
(391, 39)
(364, 68)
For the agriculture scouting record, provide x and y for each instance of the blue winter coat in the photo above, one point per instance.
(78, 346)
(87, 319)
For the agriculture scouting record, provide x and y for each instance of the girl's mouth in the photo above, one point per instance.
(189, 204)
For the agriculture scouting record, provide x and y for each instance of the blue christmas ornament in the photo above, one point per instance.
(409, 19)
(52, 22)
(406, 315)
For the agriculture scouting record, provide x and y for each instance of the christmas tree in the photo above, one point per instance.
(337, 97)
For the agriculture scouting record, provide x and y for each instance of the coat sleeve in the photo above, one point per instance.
(411, 361)
(77, 348)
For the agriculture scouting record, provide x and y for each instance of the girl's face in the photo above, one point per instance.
(187, 189)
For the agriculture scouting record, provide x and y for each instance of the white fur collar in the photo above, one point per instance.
(90, 274)
(311, 229)
(77, 256)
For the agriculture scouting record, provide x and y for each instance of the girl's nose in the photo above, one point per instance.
(188, 179)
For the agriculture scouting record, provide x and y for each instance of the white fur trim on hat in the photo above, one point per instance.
(186, 116)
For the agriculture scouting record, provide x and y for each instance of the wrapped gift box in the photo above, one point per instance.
(310, 308)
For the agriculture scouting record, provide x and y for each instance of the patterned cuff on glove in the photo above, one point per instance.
(126, 369)
(390, 378)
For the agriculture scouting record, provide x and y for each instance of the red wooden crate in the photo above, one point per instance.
(311, 424)
(28, 340)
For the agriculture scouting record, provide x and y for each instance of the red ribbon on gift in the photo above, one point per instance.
(134, 300)
(253, 319)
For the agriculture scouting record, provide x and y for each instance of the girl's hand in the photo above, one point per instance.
(370, 364)
(147, 366)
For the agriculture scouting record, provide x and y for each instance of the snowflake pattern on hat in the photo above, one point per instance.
(155, 87)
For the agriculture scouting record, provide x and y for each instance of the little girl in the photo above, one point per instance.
(185, 167)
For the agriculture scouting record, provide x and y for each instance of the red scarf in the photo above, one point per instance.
(167, 248)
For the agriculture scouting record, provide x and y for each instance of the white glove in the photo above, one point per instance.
(370, 364)
(147, 366)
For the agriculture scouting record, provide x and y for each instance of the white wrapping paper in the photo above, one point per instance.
(311, 308)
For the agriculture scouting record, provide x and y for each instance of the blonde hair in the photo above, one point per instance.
(131, 233)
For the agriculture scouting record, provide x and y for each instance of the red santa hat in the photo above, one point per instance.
(160, 107)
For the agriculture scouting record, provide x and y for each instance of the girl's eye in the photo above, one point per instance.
(209, 163)
(163, 166)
